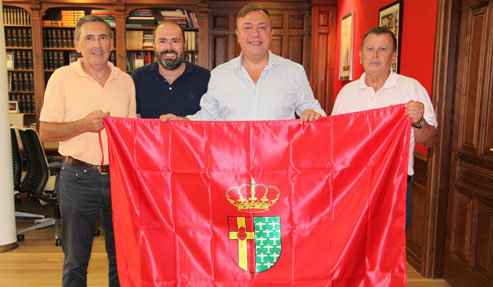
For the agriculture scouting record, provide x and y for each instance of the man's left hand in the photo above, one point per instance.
(309, 115)
(415, 110)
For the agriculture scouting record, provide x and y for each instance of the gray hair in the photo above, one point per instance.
(380, 31)
(91, 18)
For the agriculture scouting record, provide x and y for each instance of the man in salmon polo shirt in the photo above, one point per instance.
(380, 86)
(77, 98)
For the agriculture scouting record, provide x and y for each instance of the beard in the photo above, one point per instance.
(170, 64)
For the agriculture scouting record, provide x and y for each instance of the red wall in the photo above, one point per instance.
(417, 39)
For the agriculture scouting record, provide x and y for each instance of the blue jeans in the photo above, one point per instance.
(82, 196)
(409, 203)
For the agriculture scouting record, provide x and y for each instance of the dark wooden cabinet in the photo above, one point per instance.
(323, 49)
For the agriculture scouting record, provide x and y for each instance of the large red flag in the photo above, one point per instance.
(265, 203)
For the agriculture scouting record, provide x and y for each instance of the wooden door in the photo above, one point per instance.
(469, 240)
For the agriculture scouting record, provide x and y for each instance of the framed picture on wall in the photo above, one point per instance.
(390, 17)
(13, 107)
(346, 49)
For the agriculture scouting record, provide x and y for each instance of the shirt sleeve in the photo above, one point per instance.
(306, 99)
(423, 97)
(54, 102)
(132, 106)
(209, 105)
(338, 105)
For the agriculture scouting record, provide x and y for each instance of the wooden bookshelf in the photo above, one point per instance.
(213, 30)
(20, 68)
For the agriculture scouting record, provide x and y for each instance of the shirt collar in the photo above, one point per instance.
(78, 69)
(188, 68)
(274, 60)
(389, 83)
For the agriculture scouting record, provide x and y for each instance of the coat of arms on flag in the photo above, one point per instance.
(254, 241)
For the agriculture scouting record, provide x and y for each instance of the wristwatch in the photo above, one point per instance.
(420, 124)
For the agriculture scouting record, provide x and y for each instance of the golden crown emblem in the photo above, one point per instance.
(253, 197)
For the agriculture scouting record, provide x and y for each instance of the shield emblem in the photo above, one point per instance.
(255, 242)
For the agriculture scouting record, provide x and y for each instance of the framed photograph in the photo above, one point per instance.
(390, 17)
(13, 106)
(10, 61)
(73, 58)
(346, 50)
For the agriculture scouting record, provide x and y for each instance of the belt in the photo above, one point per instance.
(409, 178)
(102, 169)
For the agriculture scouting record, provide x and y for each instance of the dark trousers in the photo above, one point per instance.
(409, 202)
(82, 196)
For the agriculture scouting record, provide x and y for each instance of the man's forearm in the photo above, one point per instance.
(425, 135)
(56, 132)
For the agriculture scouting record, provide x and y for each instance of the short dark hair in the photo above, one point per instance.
(249, 8)
(380, 31)
(167, 22)
(91, 18)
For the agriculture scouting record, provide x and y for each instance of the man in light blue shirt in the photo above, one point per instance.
(257, 85)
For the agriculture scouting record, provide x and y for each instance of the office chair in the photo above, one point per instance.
(17, 169)
(38, 180)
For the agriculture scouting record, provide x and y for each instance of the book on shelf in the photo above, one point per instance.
(134, 39)
(9, 81)
(190, 39)
(106, 15)
(10, 61)
(15, 16)
(138, 59)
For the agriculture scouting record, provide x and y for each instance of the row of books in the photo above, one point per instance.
(18, 37)
(56, 59)
(138, 59)
(25, 102)
(137, 39)
(182, 17)
(21, 81)
(141, 18)
(191, 40)
(19, 59)
(16, 16)
(149, 17)
(106, 15)
(58, 38)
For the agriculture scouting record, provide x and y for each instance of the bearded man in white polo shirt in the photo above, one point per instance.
(379, 86)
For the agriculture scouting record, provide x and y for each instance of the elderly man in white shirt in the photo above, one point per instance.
(380, 87)
(257, 85)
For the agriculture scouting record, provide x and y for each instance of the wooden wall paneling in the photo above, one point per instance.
(430, 263)
(415, 234)
(39, 82)
(221, 37)
(203, 34)
(471, 190)
(290, 22)
(121, 49)
(324, 28)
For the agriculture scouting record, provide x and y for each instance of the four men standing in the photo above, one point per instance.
(257, 85)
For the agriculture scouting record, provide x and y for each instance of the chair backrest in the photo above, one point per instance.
(37, 166)
(16, 159)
